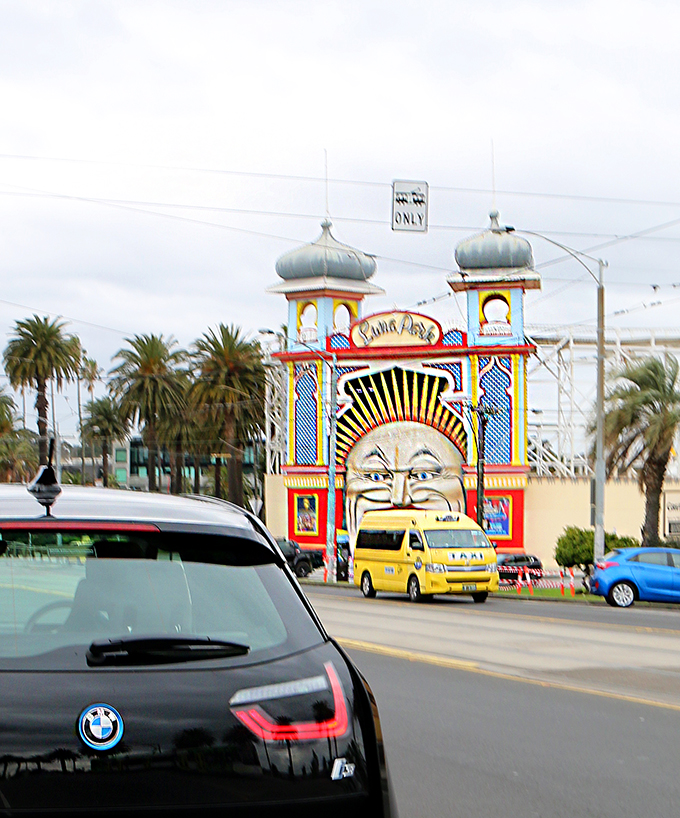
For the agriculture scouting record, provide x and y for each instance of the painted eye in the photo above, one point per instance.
(377, 476)
(420, 475)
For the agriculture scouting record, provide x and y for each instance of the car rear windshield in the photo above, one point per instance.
(61, 590)
(456, 538)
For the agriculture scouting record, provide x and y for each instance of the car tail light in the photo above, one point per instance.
(602, 565)
(260, 723)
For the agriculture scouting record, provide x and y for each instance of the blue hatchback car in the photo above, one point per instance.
(648, 574)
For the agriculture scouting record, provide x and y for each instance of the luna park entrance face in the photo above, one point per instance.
(402, 465)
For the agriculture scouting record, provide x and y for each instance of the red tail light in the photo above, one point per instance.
(604, 565)
(259, 723)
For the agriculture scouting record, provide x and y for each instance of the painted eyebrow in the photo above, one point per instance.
(427, 453)
(377, 452)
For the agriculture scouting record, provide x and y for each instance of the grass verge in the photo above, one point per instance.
(553, 594)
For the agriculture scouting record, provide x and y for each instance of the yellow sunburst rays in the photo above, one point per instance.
(439, 417)
(414, 398)
(407, 407)
(388, 398)
(429, 418)
(366, 418)
(419, 416)
(400, 411)
(359, 429)
(382, 416)
(454, 431)
(345, 441)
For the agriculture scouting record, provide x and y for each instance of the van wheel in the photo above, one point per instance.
(367, 588)
(414, 589)
(480, 596)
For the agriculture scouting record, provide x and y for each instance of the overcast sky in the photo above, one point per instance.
(158, 157)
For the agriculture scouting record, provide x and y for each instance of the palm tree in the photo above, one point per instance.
(7, 413)
(148, 384)
(640, 424)
(175, 433)
(90, 372)
(229, 387)
(18, 456)
(105, 422)
(18, 449)
(38, 351)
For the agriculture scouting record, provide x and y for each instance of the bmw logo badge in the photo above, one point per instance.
(100, 726)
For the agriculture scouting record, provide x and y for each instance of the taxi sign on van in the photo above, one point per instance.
(447, 518)
(466, 555)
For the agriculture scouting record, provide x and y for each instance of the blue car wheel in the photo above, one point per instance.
(621, 595)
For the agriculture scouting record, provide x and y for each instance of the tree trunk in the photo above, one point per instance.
(235, 476)
(173, 472)
(94, 467)
(197, 474)
(82, 437)
(180, 472)
(41, 408)
(218, 477)
(153, 457)
(653, 474)
(105, 462)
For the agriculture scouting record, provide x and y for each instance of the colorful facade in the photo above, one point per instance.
(405, 434)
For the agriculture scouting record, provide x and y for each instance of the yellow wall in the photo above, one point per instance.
(552, 504)
(275, 505)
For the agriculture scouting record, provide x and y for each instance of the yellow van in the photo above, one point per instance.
(422, 553)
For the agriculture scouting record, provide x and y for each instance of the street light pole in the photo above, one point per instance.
(600, 474)
(599, 414)
(481, 430)
(483, 413)
(331, 560)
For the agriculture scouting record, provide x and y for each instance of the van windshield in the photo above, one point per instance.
(456, 538)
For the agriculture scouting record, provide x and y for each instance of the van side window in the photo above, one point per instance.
(415, 541)
(381, 540)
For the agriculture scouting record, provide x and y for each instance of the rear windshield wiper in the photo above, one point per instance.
(158, 650)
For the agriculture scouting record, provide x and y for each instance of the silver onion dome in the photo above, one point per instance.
(494, 249)
(326, 257)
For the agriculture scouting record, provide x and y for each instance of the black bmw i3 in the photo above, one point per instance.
(157, 655)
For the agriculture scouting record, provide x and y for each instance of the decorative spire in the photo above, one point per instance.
(328, 258)
(494, 249)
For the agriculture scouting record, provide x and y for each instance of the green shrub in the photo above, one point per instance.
(575, 546)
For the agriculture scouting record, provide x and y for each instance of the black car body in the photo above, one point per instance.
(158, 656)
(303, 561)
(511, 565)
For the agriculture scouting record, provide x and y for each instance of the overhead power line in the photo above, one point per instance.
(339, 181)
(463, 228)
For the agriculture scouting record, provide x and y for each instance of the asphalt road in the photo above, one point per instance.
(518, 708)
(463, 744)
(638, 616)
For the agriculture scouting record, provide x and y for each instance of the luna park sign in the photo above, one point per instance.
(395, 329)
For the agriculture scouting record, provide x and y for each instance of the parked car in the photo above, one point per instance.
(628, 574)
(510, 565)
(302, 561)
(157, 655)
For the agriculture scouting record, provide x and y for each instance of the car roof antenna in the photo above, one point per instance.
(45, 488)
